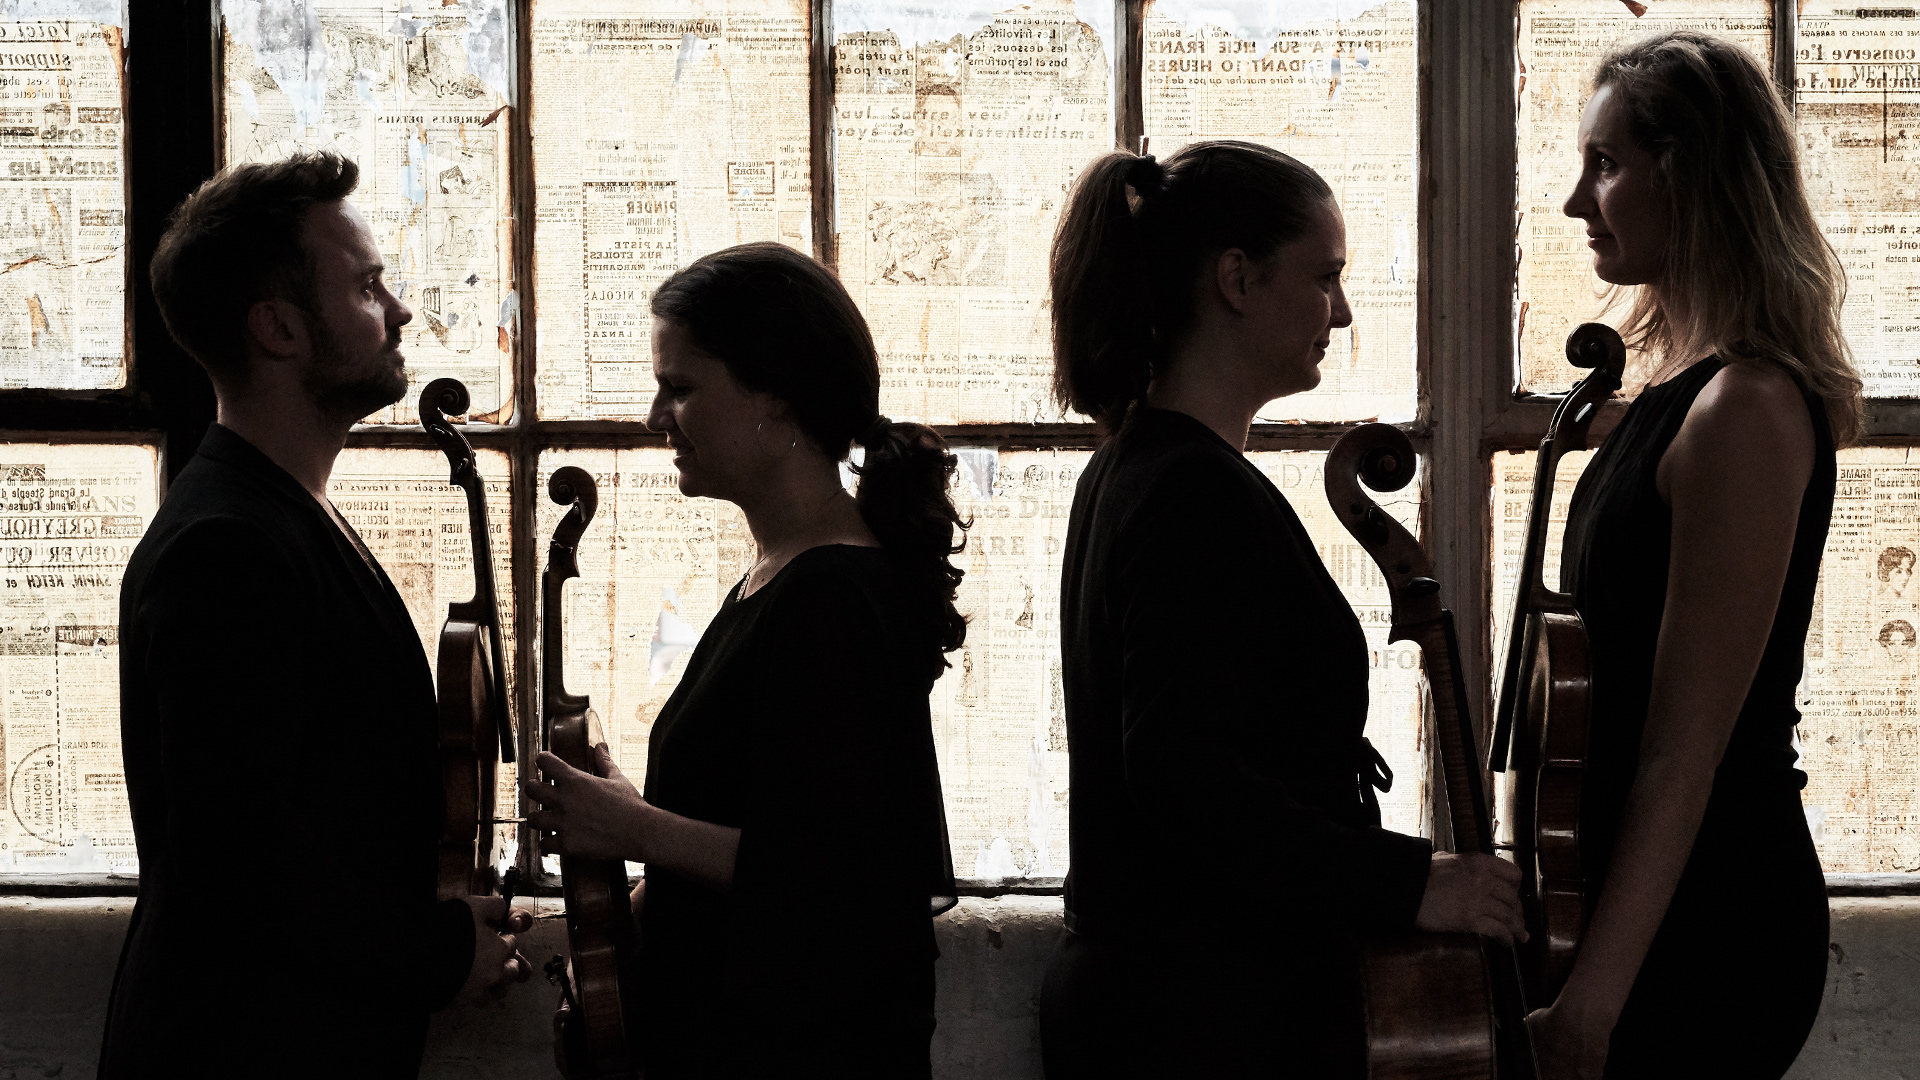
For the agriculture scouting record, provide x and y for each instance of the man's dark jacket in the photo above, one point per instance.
(278, 722)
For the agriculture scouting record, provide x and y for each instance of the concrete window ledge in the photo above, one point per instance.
(57, 955)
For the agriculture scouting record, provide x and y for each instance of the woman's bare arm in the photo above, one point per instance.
(1734, 476)
(605, 817)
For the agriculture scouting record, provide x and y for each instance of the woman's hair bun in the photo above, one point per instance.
(1146, 177)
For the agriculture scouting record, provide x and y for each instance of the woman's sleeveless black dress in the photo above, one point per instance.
(1734, 977)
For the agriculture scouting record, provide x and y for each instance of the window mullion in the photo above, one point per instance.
(1466, 285)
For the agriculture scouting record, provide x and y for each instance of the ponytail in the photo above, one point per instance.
(903, 496)
(1132, 244)
(784, 326)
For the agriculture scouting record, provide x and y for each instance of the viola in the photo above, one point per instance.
(1539, 739)
(597, 988)
(475, 728)
(1438, 1006)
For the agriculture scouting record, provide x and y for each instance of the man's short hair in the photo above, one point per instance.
(238, 240)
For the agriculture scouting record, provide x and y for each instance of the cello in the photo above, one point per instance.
(597, 991)
(475, 728)
(1437, 1006)
(1539, 739)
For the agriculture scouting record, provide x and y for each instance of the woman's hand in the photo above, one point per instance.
(594, 817)
(1570, 1043)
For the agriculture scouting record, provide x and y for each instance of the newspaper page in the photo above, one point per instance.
(63, 211)
(664, 130)
(1858, 113)
(72, 515)
(1339, 91)
(1859, 733)
(416, 525)
(1561, 42)
(418, 100)
(957, 137)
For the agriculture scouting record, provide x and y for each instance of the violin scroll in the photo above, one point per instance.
(572, 484)
(1596, 345)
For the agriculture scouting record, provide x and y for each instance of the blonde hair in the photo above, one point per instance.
(1745, 259)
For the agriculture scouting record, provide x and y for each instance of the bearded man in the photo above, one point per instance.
(277, 711)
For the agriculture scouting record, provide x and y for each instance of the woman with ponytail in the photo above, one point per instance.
(792, 824)
(1215, 676)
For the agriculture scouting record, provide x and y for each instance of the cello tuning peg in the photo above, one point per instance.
(1423, 586)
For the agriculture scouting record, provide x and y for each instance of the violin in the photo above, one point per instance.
(597, 990)
(1437, 1005)
(475, 728)
(1546, 696)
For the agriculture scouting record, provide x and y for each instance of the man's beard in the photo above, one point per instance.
(333, 385)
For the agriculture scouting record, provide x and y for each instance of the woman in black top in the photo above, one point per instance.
(1693, 551)
(792, 825)
(1215, 677)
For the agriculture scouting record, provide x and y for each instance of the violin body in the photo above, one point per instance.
(475, 729)
(1546, 696)
(1437, 1006)
(598, 990)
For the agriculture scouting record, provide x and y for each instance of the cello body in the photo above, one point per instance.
(475, 730)
(1539, 742)
(1437, 1006)
(597, 986)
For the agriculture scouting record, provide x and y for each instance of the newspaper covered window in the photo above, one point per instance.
(72, 515)
(1859, 732)
(655, 567)
(1857, 91)
(418, 100)
(958, 131)
(1337, 86)
(1560, 43)
(664, 130)
(63, 211)
(416, 524)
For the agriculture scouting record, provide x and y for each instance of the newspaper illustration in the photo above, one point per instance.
(664, 131)
(417, 99)
(63, 208)
(72, 515)
(1341, 95)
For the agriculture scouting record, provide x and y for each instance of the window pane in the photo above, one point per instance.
(415, 523)
(1859, 724)
(665, 130)
(1394, 719)
(1858, 112)
(956, 136)
(417, 100)
(1560, 43)
(63, 216)
(1342, 95)
(72, 517)
(654, 567)
(1512, 495)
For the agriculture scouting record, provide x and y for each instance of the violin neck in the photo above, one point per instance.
(561, 565)
(484, 595)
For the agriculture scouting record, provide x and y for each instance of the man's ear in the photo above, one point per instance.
(278, 330)
(1233, 279)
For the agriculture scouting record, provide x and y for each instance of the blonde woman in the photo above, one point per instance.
(1693, 550)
